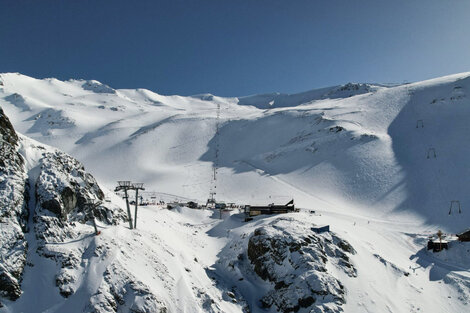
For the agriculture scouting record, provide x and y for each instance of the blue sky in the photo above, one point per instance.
(234, 48)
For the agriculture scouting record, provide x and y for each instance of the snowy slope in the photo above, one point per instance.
(52, 261)
(357, 154)
(354, 147)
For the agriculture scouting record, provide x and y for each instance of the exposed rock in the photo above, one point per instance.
(336, 129)
(7, 131)
(296, 264)
(13, 211)
(9, 285)
(117, 289)
(64, 187)
(97, 87)
(62, 190)
(349, 90)
(52, 205)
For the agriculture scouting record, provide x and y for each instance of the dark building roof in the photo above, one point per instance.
(464, 236)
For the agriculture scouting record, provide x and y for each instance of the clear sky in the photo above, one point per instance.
(234, 48)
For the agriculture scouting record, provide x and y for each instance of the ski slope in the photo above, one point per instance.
(354, 147)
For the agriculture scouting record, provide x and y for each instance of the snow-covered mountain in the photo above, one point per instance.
(52, 260)
(355, 147)
(382, 164)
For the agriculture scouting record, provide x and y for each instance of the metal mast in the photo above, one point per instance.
(215, 165)
(126, 185)
(137, 187)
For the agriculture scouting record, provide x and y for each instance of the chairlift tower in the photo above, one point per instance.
(136, 187)
(125, 185)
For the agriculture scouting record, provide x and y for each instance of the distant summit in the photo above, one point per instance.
(277, 100)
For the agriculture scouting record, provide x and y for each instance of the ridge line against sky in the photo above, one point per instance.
(235, 48)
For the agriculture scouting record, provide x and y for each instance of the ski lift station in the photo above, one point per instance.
(272, 208)
(437, 245)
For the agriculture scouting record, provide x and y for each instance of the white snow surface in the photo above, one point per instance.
(379, 164)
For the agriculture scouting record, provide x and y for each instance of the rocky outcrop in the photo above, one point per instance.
(63, 193)
(13, 211)
(349, 90)
(62, 190)
(97, 87)
(296, 263)
(63, 186)
(117, 290)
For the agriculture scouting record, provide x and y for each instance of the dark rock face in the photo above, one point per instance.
(7, 131)
(296, 264)
(52, 205)
(69, 199)
(13, 211)
(9, 286)
(10, 159)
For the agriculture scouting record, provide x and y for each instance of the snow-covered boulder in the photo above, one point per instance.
(63, 185)
(280, 264)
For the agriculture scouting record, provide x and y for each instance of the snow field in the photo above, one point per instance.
(353, 154)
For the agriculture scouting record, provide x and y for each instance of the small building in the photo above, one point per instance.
(321, 228)
(269, 209)
(464, 236)
(192, 205)
(437, 245)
